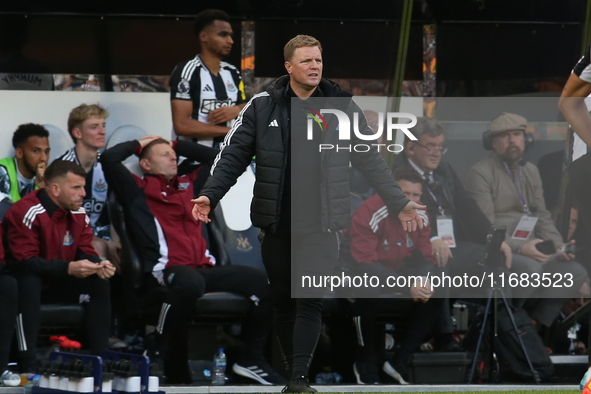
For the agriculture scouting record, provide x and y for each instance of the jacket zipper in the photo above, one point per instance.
(61, 243)
(282, 180)
(324, 181)
(185, 225)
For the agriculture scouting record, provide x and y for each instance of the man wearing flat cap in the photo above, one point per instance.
(509, 192)
(459, 228)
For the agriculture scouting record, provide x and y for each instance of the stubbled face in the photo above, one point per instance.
(305, 67)
(34, 151)
(427, 156)
(412, 191)
(70, 191)
(161, 160)
(217, 38)
(92, 132)
(510, 145)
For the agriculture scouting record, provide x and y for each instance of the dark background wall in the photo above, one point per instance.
(112, 45)
(350, 50)
(477, 40)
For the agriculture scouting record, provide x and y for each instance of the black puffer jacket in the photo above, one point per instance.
(255, 134)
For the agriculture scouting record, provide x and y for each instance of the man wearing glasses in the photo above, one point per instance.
(459, 228)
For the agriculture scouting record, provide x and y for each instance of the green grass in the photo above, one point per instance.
(512, 392)
(491, 392)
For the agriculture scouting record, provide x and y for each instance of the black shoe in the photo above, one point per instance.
(299, 385)
(366, 372)
(396, 370)
(259, 370)
(155, 356)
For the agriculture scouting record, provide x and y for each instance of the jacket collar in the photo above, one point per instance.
(174, 182)
(50, 207)
(440, 176)
(278, 89)
(416, 167)
(407, 162)
(497, 159)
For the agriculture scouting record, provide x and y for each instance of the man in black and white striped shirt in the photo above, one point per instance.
(206, 93)
(576, 111)
(86, 125)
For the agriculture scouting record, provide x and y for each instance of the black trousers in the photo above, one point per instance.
(423, 318)
(298, 321)
(579, 174)
(188, 284)
(542, 303)
(8, 312)
(92, 292)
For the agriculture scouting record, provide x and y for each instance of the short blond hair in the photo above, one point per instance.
(299, 41)
(83, 112)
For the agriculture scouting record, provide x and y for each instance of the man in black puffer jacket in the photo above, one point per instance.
(300, 201)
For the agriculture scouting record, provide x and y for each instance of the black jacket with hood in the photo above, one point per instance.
(254, 134)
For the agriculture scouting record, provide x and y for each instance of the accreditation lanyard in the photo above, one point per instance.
(445, 224)
(520, 190)
(439, 204)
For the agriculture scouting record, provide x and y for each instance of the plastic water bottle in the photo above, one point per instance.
(328, 378)
(219, 368)
(30, 383)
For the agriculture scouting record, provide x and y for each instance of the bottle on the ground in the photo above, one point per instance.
(219, 368)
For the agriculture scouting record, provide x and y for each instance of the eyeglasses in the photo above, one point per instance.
(433, 149)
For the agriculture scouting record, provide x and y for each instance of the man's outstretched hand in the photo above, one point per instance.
(201, 209)
(410, 218)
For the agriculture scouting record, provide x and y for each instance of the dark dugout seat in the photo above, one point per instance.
(55, 318)
(212, 308)
(211, 312)
(231, 221)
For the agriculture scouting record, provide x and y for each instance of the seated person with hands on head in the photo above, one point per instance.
(508, 189)
(382, 248)
(173, 251)
(49, 247)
